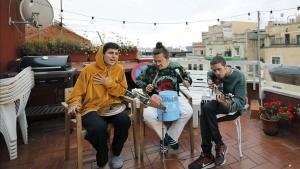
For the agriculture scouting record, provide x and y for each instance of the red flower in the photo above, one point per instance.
(276, 109)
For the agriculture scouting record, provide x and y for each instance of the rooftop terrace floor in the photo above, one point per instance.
(46, 149)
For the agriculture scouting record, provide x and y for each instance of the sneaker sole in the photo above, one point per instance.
(209, 166)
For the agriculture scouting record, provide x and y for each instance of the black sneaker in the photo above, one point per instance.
(163, 148)
(203, 162)
(221, 151)
(171, 142)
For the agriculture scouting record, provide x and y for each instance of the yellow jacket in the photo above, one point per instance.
(92, 97)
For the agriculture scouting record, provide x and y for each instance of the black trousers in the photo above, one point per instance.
(96, 127)
(209, 124)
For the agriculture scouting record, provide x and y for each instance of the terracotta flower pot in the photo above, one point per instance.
(270, 127)
(284, 124)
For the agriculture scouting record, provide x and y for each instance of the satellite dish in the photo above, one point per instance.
(38, 13)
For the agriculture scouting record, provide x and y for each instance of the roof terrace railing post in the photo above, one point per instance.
(254, 76)
(258, 56)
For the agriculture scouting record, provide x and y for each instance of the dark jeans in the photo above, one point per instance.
(209, 124)
(96, 127)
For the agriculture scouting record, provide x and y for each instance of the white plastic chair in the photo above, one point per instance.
(237, 120)
(14, 95)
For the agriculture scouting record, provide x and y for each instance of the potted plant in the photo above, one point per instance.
(274, 115)
(77, 52)
(296, 123)
(270, 118)
(286, 115)
(128, 52)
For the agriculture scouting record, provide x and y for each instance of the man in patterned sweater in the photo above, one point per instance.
(161, 76)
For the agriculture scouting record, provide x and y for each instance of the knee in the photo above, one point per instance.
(150, 115)
(207, 109)
(97, 128)
(123, 121)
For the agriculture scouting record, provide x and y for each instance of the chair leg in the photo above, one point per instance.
(190, 123)
(8, 127)
(239, 135)
(135, 141)
(142, 132)
(23, 124)
(67, 136)
(79, 142)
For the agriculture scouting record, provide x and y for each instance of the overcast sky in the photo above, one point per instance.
(109, 15)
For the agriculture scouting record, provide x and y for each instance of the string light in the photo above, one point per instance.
(92, 20)
(169, 23)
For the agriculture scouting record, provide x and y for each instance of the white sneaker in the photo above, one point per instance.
(116, 162)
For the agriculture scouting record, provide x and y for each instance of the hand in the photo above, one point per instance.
(210, 84)
(221, 99)
(100, 79)
(155, 100)
(74, 109)
(149, 88)
(186, 83)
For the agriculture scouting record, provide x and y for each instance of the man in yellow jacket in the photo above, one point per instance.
(97, 89)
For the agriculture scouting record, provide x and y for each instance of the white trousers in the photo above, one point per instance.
(174, 131)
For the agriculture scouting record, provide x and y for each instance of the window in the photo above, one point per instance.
(275, 60)
(237, 51)
(210, 51)
(287, 39)
(200, 66)
(298, 39)
(202, 52)
(195, 66)
(227, 53)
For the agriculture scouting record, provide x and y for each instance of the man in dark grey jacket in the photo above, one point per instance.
(231, 82)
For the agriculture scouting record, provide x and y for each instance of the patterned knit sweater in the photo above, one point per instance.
(165, 79)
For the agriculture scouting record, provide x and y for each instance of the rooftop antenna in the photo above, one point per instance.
(101, 40)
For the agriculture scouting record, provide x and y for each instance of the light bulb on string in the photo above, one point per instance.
(123, 25)
(155, 26)
(92, 20)
(187, 26)
(61, 13)
(249, 16)
(271, 15)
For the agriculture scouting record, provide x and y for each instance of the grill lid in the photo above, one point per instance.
(40, 63)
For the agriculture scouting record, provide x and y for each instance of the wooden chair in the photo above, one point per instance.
(75, 123)
(142, 126)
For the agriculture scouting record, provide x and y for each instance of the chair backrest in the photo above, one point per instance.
(20, 86)
(8, 81)
(21, 83)
(18, 90)
(68, 92)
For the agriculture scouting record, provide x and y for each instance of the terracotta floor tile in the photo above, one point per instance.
(46, 149)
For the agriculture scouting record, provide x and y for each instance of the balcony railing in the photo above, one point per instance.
(280, 45)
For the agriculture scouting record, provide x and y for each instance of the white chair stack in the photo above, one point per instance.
(14, 94)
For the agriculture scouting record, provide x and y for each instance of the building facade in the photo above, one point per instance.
(227, 39)
(282, 43)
